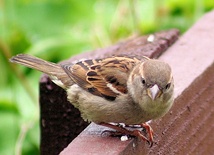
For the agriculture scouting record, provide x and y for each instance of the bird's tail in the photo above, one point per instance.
(55, 71)
(38, 64)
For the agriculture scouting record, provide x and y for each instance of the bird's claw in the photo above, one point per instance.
(137, 133)
(113, 133)
(150, 143)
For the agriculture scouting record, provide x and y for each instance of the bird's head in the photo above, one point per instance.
(151, 80)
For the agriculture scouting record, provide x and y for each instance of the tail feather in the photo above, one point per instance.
(54, 70)
(37, 63)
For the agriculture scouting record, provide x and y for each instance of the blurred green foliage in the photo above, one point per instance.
(57, 29)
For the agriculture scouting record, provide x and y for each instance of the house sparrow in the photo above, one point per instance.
(116, 89)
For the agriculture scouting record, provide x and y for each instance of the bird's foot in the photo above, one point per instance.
(149, 130)
(113, 133)
(120, 130)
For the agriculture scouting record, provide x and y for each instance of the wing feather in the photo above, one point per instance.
(102, 77)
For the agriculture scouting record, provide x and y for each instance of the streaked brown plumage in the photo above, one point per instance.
(116, 89)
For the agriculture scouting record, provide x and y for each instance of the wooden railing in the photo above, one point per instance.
(186, 129)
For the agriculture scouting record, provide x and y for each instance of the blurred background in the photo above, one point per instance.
(57, 29)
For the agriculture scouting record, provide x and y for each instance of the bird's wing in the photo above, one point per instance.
(102, 77)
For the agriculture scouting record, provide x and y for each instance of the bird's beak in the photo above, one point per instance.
(154, 92)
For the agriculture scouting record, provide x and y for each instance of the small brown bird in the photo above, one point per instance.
(113, 90)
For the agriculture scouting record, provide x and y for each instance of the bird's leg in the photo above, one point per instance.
(136, 133)
(149, 131)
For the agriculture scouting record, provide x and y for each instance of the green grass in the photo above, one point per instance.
(58, 29)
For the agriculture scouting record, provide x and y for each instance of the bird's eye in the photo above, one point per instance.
(143, 81)
(168, 86)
